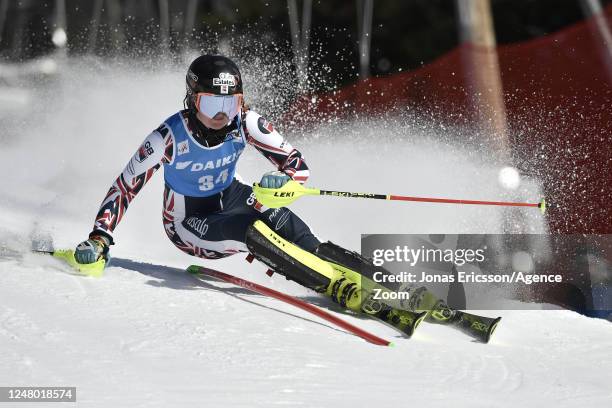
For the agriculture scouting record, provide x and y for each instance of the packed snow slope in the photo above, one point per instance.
(146, 335)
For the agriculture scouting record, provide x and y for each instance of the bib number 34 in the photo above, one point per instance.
(209, 181)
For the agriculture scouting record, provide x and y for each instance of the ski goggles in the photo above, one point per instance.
(210, 104)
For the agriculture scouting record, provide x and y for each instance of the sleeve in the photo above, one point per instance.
(157, 149)
(262, 135)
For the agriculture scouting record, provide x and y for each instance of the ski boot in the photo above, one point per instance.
(346, 264)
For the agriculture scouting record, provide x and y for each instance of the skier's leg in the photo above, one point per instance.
(330, 269)
(198, 227)
(345, 286)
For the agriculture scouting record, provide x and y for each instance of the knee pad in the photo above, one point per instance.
(288, 259)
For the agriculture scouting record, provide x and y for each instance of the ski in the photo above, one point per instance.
(404, 321)
(438, 312)
(254, 287)
(478, 327)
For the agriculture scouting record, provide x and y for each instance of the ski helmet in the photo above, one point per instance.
(212, 74)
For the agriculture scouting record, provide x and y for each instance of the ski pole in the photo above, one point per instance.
(292, 190)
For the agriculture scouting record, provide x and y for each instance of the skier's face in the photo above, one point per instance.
(219, 121)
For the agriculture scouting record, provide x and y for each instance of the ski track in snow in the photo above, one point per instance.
(145, 335)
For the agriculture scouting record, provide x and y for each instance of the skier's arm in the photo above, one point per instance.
(157, 148)
(262, 135)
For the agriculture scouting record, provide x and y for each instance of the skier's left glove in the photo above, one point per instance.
(89, 251)
(274, 179)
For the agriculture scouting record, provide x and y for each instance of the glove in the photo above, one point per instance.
(274, 179)
(91, 250)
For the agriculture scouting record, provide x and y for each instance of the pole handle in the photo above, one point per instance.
(282, 197)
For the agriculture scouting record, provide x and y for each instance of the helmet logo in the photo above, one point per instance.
(193, 76)
(224, 81)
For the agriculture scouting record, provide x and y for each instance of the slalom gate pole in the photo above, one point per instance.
(254, 287)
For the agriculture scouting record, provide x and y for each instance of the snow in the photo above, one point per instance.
(147, 335)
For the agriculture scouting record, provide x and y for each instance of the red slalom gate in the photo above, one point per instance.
(254, 287)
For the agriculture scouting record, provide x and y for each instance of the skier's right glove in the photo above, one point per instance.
(91, 250)
(274, 179)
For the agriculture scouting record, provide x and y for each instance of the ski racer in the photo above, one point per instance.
(207, 209)
(209, 213)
